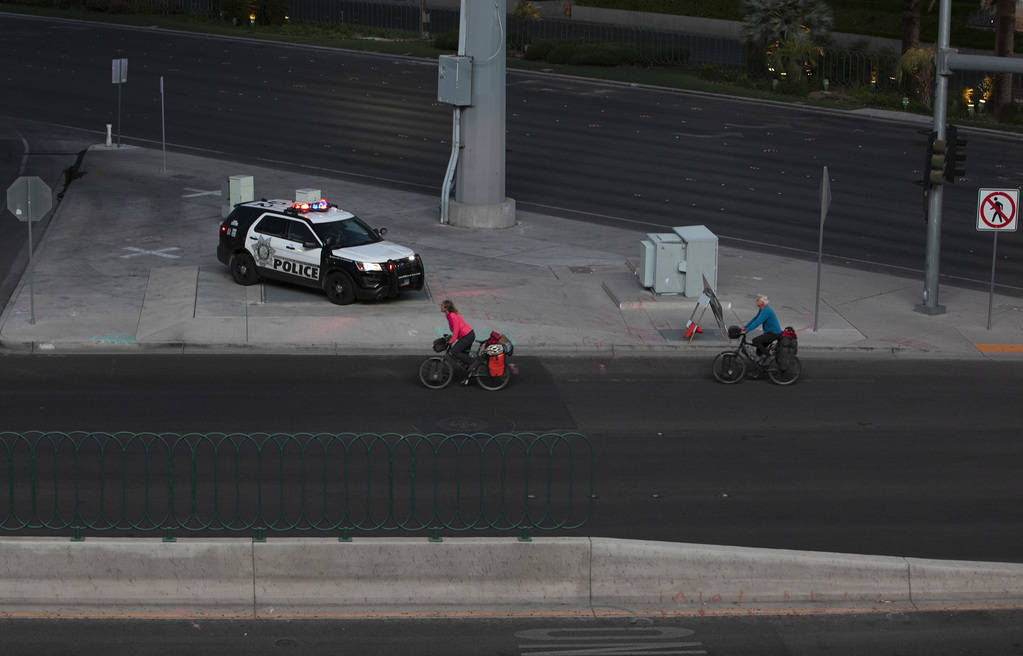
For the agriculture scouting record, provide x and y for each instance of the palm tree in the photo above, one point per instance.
(910, 24)
(768, 22)
(1005, 30)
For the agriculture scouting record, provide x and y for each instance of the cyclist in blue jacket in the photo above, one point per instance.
(765, 317)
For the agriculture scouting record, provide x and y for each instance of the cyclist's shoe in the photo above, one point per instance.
(464, 382)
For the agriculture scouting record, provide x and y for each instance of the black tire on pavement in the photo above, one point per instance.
(728, 368)
(436, 372)
(243, 269)
(340, 288)
(788, 375)
(493, 383)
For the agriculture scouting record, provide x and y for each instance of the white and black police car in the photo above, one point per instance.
(316, 245)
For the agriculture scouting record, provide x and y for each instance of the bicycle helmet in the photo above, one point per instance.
(440, 344)
(494, 349)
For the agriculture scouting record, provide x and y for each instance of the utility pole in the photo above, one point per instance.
(946, 60)
(480, 179)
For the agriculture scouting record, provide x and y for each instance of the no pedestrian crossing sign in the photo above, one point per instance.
(998, 209)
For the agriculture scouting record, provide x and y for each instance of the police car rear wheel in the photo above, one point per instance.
(243, 269)
(340, 288)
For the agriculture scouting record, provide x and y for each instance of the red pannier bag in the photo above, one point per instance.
(496, 365)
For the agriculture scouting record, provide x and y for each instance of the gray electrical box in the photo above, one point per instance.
(659, 263)
(236, 189)
(454, 80)
(676, 262)
(307, 195)
(700, 258)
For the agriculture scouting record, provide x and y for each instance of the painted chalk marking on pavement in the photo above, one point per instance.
(114, 339)
(200, 192)
(999, 348)
(162, 252)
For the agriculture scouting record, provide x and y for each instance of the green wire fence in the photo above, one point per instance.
(304, 483)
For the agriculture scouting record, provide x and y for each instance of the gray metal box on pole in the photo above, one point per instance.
(699, 258)
(454, 80)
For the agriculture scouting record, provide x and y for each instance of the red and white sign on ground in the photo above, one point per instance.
(998, 209)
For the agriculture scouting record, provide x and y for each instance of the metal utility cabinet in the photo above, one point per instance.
(676, 262)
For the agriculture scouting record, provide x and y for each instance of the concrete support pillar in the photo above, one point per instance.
(480, 200)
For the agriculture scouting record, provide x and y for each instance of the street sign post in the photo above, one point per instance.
(29, 199)
(119, 76)
(825, 205)
(997, 211)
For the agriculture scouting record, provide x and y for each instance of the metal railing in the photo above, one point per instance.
(336, 484)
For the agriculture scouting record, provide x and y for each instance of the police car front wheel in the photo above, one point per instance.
(340, 288)
(243, 269)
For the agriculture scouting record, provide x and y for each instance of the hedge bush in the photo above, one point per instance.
(446, 41)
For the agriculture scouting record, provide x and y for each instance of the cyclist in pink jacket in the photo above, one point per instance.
(462, 334)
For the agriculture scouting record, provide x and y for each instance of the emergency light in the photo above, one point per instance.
(317, 206)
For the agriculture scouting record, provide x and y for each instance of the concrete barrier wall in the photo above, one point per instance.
(133, 577)
(964, 581)
(681, 576)
(321, 577)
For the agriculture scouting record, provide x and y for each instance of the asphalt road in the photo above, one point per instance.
(981, 633)
(914, 458)
(601, 152)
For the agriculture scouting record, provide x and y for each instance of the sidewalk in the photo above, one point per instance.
(129, 263)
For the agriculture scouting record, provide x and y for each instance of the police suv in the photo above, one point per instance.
(316, 245)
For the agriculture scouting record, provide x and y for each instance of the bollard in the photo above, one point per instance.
(108, 134)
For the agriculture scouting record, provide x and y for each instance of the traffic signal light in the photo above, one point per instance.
(955, 157)
(934, 170)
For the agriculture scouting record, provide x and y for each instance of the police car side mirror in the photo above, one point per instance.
(310, 244)
(381, 231)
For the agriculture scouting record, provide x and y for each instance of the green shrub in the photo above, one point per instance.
(272, 12)
(719, 73)
(539, 49)
(108, 6)
(793, 87)
(446, 41)
(561, 53)
(595, 54)
(235, 11)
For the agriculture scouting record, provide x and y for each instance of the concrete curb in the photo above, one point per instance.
(389, 577)
(681, 351)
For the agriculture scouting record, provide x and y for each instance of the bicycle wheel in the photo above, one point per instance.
(494, 383)
(788, 375)
(436, 372)
(728, 367)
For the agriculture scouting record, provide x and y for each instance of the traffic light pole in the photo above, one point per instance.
(932, 261)
(947, 60)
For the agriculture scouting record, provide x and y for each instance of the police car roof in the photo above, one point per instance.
(332, 213)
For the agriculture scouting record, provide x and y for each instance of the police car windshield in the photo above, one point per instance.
(349, 232)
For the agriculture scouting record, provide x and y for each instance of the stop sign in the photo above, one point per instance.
(29, 198)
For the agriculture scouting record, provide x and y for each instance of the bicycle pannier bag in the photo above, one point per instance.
(788, 345)
(496, 365)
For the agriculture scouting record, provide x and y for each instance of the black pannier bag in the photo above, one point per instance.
(788, 345)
